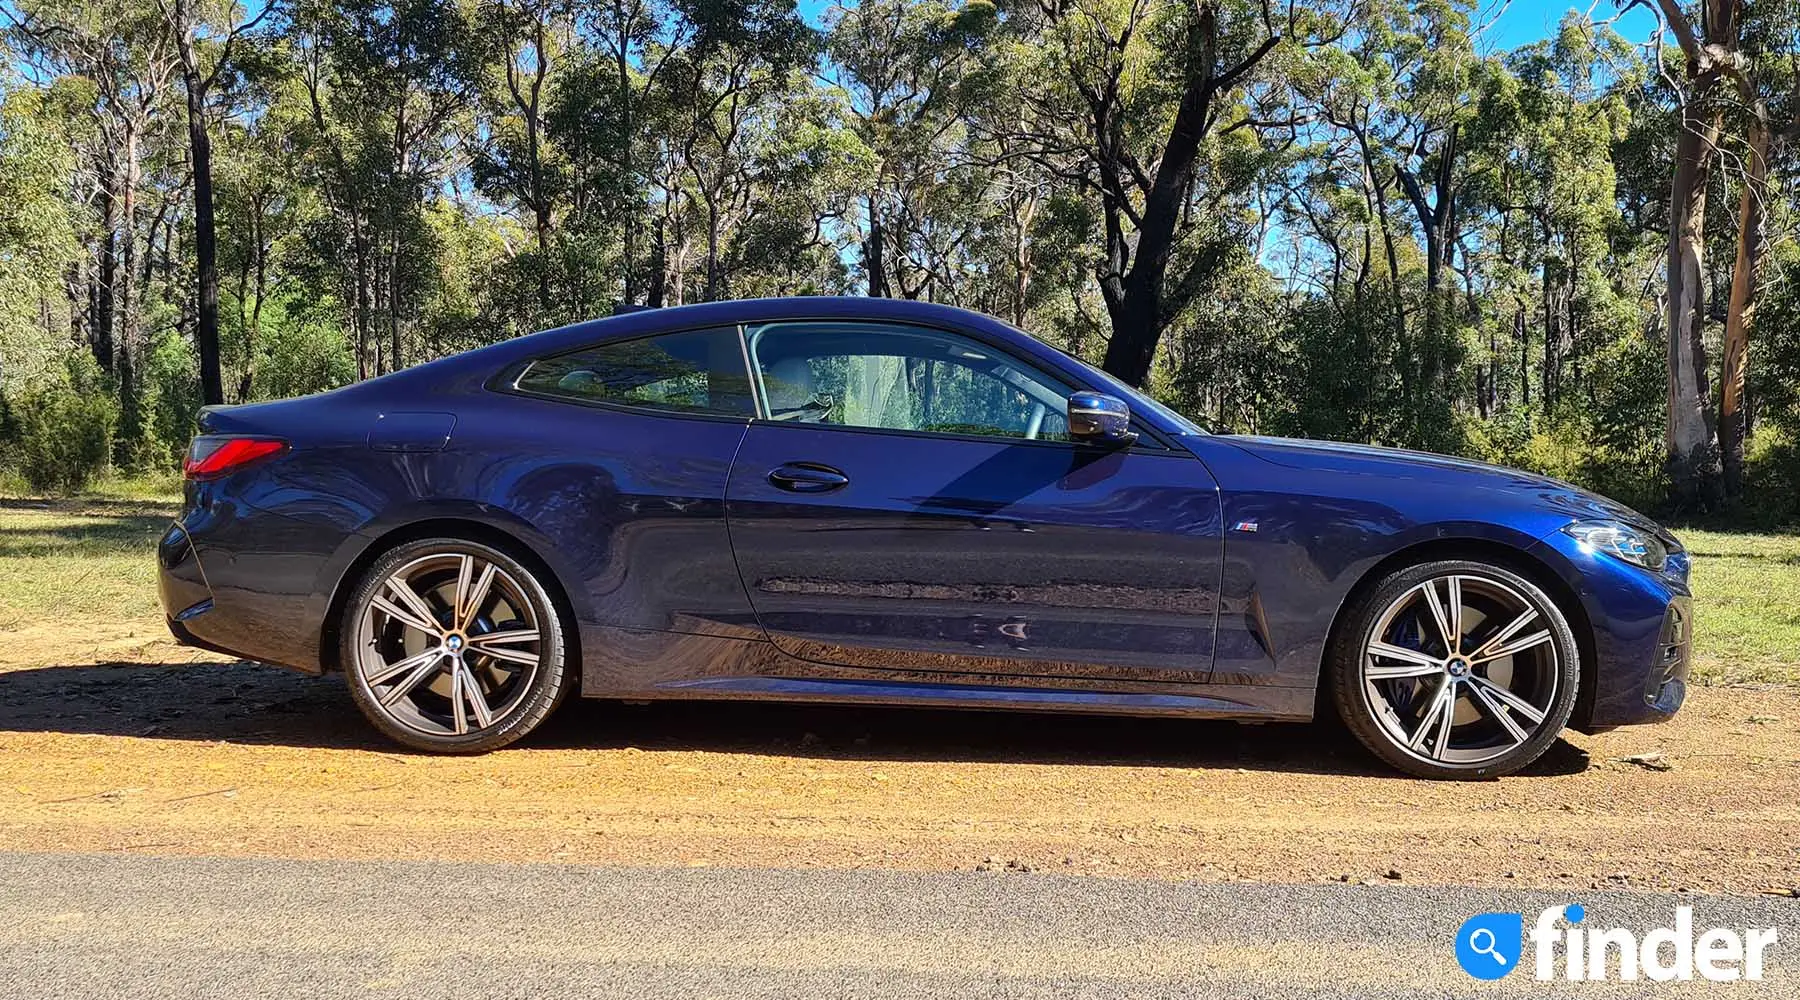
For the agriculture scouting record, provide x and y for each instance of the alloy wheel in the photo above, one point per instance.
(1460, 670)
(448, 644)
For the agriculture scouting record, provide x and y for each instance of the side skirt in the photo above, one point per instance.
(653, 666)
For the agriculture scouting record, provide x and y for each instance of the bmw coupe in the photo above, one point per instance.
(868, 500)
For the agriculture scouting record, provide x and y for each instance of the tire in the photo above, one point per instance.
(435, 675)
(1511, 679)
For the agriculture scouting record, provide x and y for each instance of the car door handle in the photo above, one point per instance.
(805, 477)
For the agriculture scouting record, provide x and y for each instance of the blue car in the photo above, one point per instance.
(879, 501)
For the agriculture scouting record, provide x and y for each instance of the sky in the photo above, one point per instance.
(1517, 22)
(1524, 21)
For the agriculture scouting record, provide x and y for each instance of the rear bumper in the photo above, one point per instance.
(229, 580)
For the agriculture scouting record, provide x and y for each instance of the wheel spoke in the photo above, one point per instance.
(1453, 616)
(470, 600)
(465, 573)
(459, 712)
(409, 597)
(395, 669)
(1411, 656)
(1390, 672)
(509, 655)
(1506, 697)
(503, 638)
(426, 668)
(1442, 616)
(1446, 719)
(1537, 638)
(404, 615)
(1498, 713)
(1508, 632)
(1441, 703)
(478, 703)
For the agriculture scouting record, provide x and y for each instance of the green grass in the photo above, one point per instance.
(92, 558)
(80, 559)
(1746, 606)
(164, 485)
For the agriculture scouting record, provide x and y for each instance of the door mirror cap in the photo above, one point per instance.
(1097, 418)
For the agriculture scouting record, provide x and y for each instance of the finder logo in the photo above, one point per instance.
(1487, 947)
(1491, 945)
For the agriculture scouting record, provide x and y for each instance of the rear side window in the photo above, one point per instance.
(695, 371)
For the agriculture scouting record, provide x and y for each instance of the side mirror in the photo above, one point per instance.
(1097, 418)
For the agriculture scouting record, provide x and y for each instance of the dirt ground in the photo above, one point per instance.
(127, 742)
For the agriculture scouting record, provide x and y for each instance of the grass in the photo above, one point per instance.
(1746, 606)
(91, 558)
(79, 560)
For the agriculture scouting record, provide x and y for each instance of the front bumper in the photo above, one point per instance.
(1665, 684)
(1641, 629)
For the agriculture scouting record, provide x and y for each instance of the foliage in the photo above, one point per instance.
(1353, 220)
(65, 430)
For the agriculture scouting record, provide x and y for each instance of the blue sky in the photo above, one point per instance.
(1523, 21)
(1518, 21)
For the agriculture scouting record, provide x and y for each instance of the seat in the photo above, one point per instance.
(788, 383)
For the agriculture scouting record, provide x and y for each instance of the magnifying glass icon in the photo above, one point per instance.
(1482, 943)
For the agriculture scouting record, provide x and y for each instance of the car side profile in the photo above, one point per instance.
(880, 501)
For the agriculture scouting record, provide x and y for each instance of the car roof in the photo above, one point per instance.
(480, 363)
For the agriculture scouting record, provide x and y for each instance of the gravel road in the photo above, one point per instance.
(125, 927)
(226, 759)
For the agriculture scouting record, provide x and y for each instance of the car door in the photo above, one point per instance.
(624, 466)
(909, 499)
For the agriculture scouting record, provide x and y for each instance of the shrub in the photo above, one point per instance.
(1771, 479)
(1572, 449)
(65, 436)
(172, 385)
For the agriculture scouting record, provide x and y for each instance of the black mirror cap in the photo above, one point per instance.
(1098, 418)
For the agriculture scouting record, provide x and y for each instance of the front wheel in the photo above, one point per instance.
(453, 646)
(1455, 669)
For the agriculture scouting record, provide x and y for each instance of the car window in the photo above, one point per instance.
(695, 371)
(897, 377)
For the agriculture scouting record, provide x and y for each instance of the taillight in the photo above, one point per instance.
(213, 457)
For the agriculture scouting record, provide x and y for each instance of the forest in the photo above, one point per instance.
(1356, 219)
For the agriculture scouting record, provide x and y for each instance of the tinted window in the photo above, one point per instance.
(903, 378)
(696, 371)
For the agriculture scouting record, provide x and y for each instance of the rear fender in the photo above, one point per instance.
(425, 519)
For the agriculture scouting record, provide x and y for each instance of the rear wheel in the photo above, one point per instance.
(453, 646)
(1455, 669)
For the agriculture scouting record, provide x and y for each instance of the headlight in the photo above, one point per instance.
(1621, 541)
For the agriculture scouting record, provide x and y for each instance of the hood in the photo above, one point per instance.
(1400, 463)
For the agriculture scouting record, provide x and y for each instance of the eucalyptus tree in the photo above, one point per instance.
(516, 162)
(1766, 82)
(1136, 101)
(1706, 50)
(903, 71)
(385, 85)
(714, 107)
(121, 51)
(204, 34)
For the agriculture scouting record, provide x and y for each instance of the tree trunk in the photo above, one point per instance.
(1138, 302)
(873, 253)
(1753, 219)
(105, 282)
(131, 416)
(1694, 467)
(206, 320)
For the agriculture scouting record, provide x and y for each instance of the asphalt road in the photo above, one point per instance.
(125, 927)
